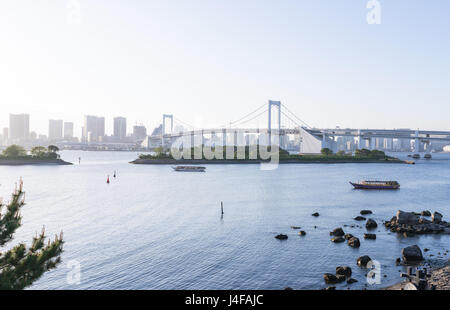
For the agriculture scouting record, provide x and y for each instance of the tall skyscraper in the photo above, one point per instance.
(19, 128)
(55, 130)
(68, 130)
(93, 129)
(120, 128)
(139, 132)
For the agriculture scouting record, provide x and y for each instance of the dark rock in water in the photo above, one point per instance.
(316, 214)
(348, 236)
(330, 278)
(371, 224)
(412, 254)
(436, 218)
(330, 288)
(281, 237)
(353, 242)
(426, 250)
(295, 227)
(351, 281)
(360, 218)
(344, 271)
(370, 236)
(288, 288)
(409, 218)
(362, 261)
(364, 212)
(408, 234)
(337, 239)
(337, 232)
(302, 232)
(425, 213)
(398, 261)
(424, 221)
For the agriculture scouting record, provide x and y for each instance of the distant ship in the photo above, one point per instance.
(189, 168)
(376, 185)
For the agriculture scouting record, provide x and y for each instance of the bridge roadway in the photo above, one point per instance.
(363, 133)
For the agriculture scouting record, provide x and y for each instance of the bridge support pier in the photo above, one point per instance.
(416, 145)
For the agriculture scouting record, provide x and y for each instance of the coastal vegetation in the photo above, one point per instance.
(39, 155)
(39, 152)
(21, 265)
(252, 153)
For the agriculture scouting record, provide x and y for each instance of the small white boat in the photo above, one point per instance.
(189, 168)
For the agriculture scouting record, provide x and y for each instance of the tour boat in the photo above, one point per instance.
(189, 168)
(376, 185)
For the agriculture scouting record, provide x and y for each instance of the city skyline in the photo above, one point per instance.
(219, 61)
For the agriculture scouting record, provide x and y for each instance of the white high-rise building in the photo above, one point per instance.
(19, 128)
(55, 130)
(120, 128)
(68, 130)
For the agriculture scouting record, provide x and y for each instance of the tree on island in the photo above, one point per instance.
(14, 151)
(53, 148)
(326, 151)
(38, 151)
(20, 266)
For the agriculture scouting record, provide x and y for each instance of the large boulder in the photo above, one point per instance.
(348, 236)
(408, 218)
(281, 237)
(426, 213)
(436, 218)
(412, 254)
(337, 232)
(354, 242)
(364, 212)
(362, 261)
(370, 236)
(333, 279)
(371, 224)
(344, 271)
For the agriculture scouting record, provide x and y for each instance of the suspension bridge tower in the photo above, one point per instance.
(278, 105)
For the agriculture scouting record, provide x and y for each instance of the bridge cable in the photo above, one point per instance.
(298, 118)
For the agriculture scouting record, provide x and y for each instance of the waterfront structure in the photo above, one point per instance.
(139, 132)
(120, 128)
(19, 128)
(55, 130)
(93, 129)
(68, 130)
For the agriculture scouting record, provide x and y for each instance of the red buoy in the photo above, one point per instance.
(107, 180)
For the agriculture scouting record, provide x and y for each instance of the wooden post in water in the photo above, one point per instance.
(221, 206)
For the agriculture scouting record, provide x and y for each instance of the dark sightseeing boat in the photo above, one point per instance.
(376, 185)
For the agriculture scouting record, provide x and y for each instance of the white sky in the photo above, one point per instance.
(209, 62)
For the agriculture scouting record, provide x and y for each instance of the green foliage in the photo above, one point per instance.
(326, 151)
(365, 153)
(53, 148)
(14, 151)
(38, 151)
(21, 265)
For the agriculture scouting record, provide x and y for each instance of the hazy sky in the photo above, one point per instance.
(210, 61)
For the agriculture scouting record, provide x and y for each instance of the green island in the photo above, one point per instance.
(252, 156)
(16, 155)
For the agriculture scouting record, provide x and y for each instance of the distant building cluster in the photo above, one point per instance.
(62, 133)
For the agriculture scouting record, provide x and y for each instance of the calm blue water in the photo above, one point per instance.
(153, 228)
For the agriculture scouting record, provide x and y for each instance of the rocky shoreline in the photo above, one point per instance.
(34, 161)
(407, 224)
(439, 278)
